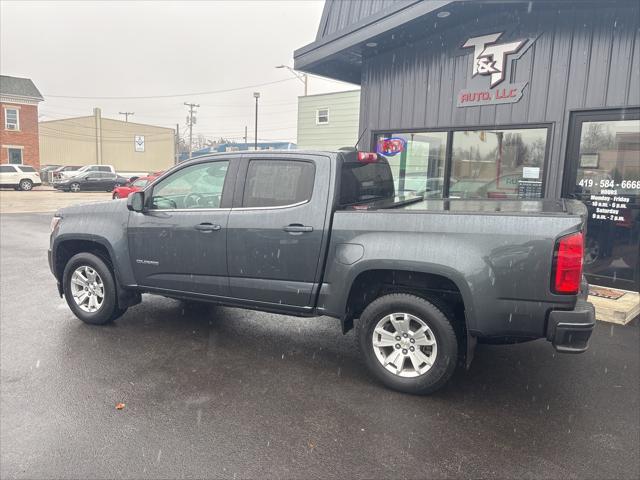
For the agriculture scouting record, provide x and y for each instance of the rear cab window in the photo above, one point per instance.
(368, 185)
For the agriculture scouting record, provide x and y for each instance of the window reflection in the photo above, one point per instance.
(416, 160)
(498, 163)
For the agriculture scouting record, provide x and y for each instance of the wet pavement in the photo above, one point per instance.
(226, 393)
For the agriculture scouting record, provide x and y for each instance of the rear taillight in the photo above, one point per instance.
(367, 157)
(567, 264)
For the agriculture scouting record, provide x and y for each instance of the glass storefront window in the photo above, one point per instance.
(608, 182)
(417, 161)
(503, 164)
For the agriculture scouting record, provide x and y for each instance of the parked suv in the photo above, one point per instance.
(20, 177)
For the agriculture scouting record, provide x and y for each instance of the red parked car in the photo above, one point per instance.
(132, 186)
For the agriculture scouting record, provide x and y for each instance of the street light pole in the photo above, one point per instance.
(303, 77)
(256, 95)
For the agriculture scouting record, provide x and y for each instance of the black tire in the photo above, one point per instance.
(25, 185)
(109, 309)
(115, 196)
(77, 185)
(447, 346)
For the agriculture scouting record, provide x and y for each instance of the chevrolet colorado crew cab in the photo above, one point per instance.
(328, 233)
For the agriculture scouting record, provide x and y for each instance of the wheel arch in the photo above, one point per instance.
(66, 248)
(441, 285)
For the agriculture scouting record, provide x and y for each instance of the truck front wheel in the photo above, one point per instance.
(408, 343)
(90, 289)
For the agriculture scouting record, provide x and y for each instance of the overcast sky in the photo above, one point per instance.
(126, 49)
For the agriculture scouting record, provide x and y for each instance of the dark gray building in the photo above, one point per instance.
(494, 100)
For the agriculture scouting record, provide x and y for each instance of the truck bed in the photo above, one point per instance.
(497, 252)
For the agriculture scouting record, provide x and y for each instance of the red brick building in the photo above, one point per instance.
(19, 100)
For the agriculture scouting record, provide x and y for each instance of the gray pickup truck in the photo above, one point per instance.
(327, 233)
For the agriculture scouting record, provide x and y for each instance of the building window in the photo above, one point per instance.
(322, 116)
(498, 163)
(11, 119)
(416, 160)
(15, 156)
(490, 164)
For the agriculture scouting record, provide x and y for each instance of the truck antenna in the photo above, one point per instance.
(360, 137)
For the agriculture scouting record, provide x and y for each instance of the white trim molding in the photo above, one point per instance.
(19, 100)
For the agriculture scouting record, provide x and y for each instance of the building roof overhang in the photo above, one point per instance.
(340, 55)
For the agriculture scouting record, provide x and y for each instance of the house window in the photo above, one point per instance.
(15, 156)
(322, 116)
(11, 119)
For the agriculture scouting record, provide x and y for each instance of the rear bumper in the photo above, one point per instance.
(569, 330)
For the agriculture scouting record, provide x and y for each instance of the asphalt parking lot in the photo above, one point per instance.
(45, 199)
(227, 393)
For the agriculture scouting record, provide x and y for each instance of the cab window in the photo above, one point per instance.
(196, 186)
(276, 183)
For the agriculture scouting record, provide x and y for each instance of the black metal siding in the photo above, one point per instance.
(579, 60)
(341, 14)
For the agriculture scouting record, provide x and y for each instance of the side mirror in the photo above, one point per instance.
(135, 202)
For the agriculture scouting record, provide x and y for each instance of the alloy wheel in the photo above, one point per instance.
(26, 185)
(404, 345)
(87, 289)
(74, 187)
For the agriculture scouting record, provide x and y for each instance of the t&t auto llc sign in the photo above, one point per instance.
(491, 59)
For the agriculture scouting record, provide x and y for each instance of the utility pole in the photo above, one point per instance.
(191, 120)
(126, 115)
(177, 147)
(256, 95)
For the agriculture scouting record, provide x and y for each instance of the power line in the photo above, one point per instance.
(59, 115)
(210, 92)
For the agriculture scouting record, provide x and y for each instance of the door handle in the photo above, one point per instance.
(297, 228)
(207, 227)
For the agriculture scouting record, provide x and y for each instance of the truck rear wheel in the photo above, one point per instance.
(90, 289)
(408, 343)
